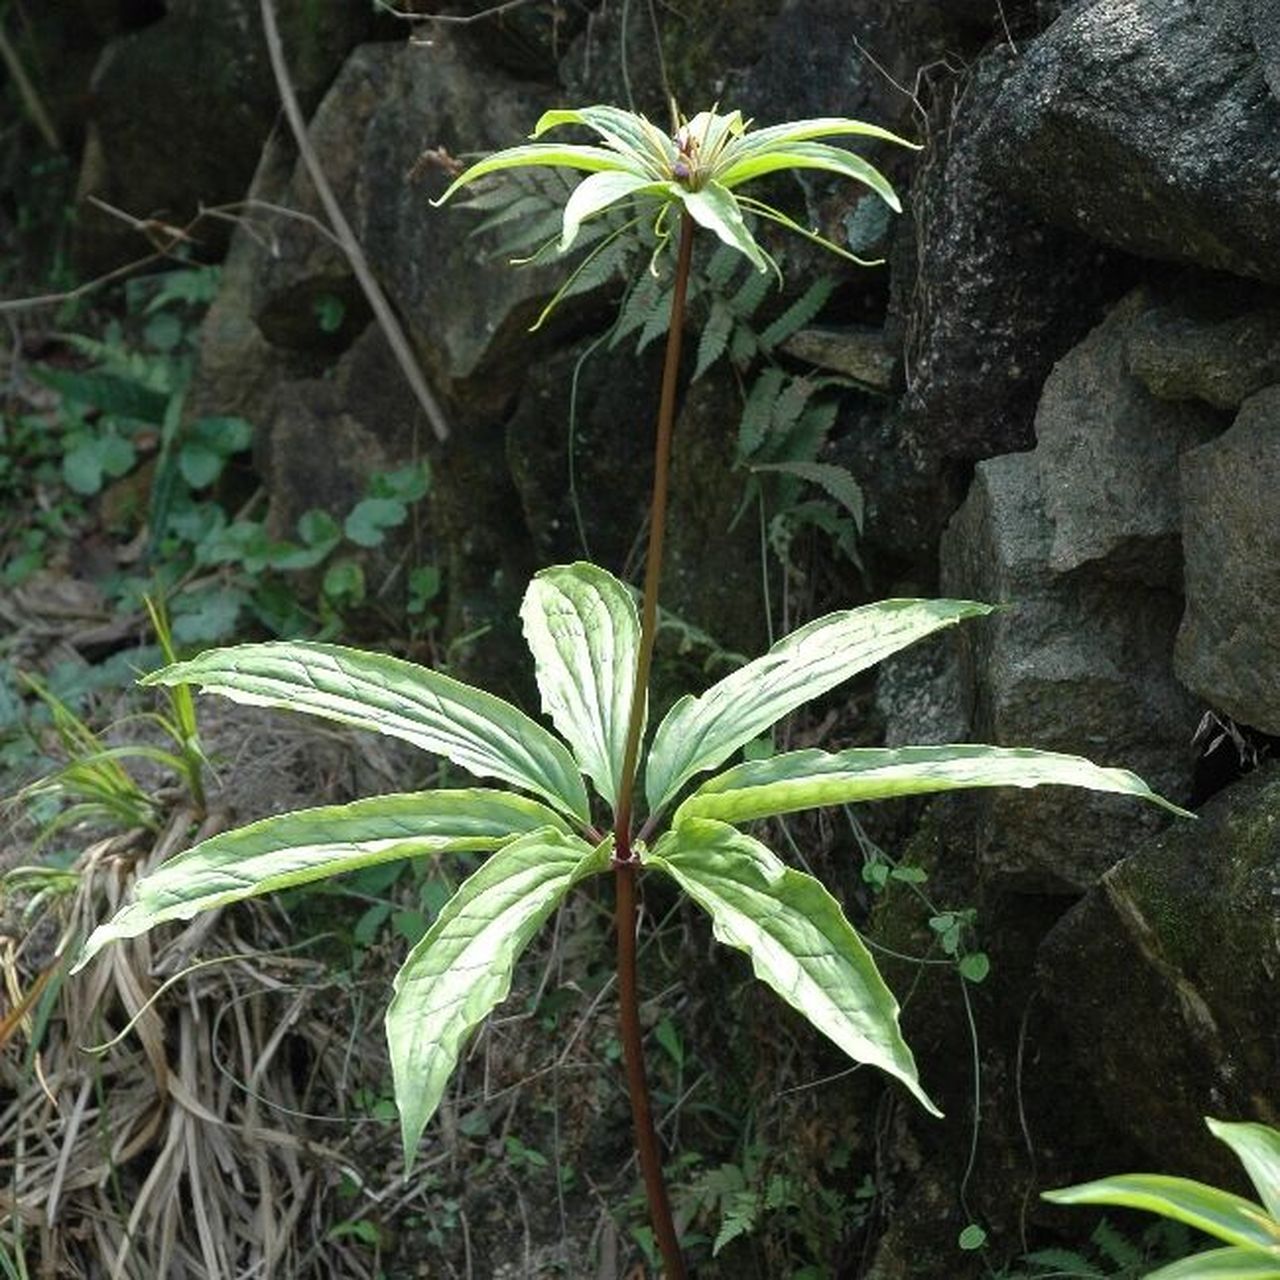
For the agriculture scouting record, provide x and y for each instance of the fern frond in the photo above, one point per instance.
(757, 414)
(715, 337)
(799, 313)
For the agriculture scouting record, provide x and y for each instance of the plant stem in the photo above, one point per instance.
(624, 858)
(657, 534)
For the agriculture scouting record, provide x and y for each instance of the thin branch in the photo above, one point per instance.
(27, 92)
(351, 246)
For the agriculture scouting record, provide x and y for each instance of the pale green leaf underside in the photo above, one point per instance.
(1258, 1148)
(597, 193)
(1219, 1213)
(798, 939)
(544, 154)
(757, 141)
(483, 734)
(1223, 1264)
(462, 968)
(582, 626)
(701, 733)
(808, 779)
(312, 844)
(628, 133)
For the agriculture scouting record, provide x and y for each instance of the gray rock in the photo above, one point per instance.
(1069, 664)
(1165, 976)
(1218, 343)
(920, 697)
(988, 296)
(183, 106)
(1229, 645)
(1148, 125)
(1265, 25)
(858, 353)
(1108, 459)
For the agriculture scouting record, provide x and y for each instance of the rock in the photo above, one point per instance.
(1165, 976)
(920, 697)
(200, 73)
(1265, 25)
(1070, 664)
(1229, 646)
(986, 295)
(1214, 341)
(1108, 460)
(858, 353)
(1148, 125)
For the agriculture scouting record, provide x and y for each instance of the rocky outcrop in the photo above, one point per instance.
(1070, 664)
(1149, 125)
(183, 106)
(1165, 978)
(1107, 455)
(1229, 646)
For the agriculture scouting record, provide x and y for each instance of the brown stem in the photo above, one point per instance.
(657, 529)
(624, 857)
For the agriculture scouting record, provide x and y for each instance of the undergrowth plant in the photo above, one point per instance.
(592, 650)
(1249, 1230)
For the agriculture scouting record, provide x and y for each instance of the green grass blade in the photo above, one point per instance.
(807, 779)
(702, 733)
(462, 968)
(312, 844)
(1258, 1148)
(483, 734)
(1229, 1217)
(583, 628)
(798, 939)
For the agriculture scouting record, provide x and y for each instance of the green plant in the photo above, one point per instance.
(592, 651)
(1251, 1231)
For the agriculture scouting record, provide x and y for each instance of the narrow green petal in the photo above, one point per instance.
(545, 154)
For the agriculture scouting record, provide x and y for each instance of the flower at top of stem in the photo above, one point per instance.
(698, 168)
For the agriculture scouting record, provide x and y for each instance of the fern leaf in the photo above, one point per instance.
(751, 293)
(836, 481)
(743, 347)
(715, 337)
(1063, 1262)
(521, 207)
(1115, 1246)
(657, 321)
(609, 262)
(799, 313)
(636, 308)
(758, 412)
(723, 263)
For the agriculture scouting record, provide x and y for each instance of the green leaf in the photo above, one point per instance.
(344, 582)
(200, 466)
(1219, 1213)
(368, 521)
(701, 733)
(555, 154)
(759, 141)
(837, 481)
(975, 966)
(808, 779)
(312, 844)
(799, 313)
(972, 1237)
(582, 626)
(595, 194)
(1223, 1264)
(474, 729)
(1258, 1148)
(798, 939)
(462, 968)
(643, 142)
(119, 396)
(716, 209)
(757, 414)
(813, 155)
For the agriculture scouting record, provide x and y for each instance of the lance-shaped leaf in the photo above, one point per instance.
(298, 848)
(1223, 1264)
(777, 136)
(813, 155)
(462, 968)
(807, 779)
(597, 193)
(1219, 1213)
(545, 154)
(483, 734)
(1258, 1147)
(798, 939)
(632, 135)
(716, 209)
(703, 732)
(582, 626)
